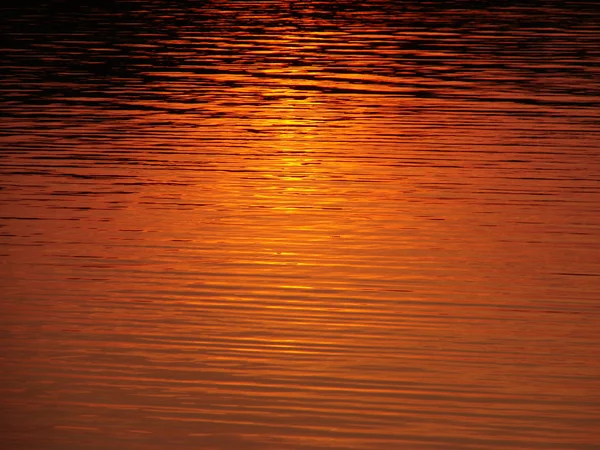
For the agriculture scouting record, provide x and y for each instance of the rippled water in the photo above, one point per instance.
(300, 225)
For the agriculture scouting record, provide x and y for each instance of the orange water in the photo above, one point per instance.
(300, 225)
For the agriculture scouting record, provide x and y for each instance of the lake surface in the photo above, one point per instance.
(294, 225)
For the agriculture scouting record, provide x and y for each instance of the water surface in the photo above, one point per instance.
(300, 225)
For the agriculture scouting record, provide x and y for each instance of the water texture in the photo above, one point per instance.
(294, 225)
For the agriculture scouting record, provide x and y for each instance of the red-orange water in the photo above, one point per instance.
(300, 225)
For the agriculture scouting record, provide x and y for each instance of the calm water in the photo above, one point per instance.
(285, 225)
